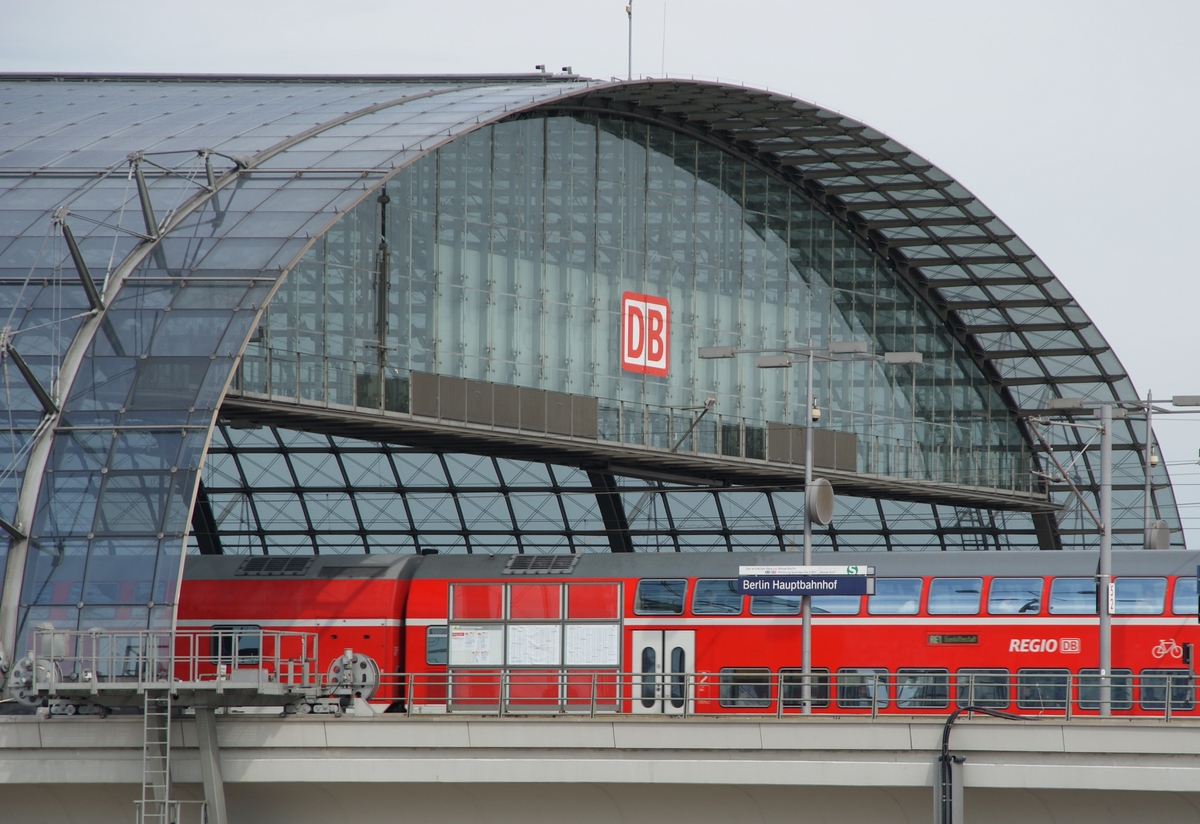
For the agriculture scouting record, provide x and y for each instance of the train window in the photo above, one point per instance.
(741, 687)
(592, 601)
(1015, 596)
(1122, 689)
(982, 688)
(437, 646)
(1184, 601)
(855, 686)
(1073, 596)
(476, 601)
(774, 604)
(244, 641)
(836, 604)
(1139, 596)
(649, 682)
(534, 601)
(1042, 689)
(922, 689)
(657, 597)
(1154, 689)
(792, 679)
(678, 676)
(716, 596)
(895, 596)
(955, 596)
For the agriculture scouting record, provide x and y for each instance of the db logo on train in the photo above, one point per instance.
(1067, 645)
(645, 333)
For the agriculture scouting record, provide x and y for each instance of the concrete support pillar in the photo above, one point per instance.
(210, 765)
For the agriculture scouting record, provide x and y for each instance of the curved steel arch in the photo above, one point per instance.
(1021, 326)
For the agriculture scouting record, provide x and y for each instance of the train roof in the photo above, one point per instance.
(889, 564)
(284, 567)
(683, 565)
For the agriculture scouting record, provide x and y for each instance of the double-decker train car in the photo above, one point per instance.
(235, 608)
(670, 634)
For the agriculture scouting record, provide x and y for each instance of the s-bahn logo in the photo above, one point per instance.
(1068, 645)
(645, 333)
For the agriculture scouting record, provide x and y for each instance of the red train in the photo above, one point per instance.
(669, 633)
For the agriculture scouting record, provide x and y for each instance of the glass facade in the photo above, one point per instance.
(504, 255)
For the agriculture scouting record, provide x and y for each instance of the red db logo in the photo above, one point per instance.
(645, 333)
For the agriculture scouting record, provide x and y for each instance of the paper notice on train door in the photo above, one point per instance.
(593, 645)
(534, 645)
(476, 645)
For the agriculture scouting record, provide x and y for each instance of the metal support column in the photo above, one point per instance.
(1104, 584)
(210, 765)
(806, 600)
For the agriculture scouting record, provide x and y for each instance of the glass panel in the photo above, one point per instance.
(955, 596)
(1184, 601)
(1042, 689)
(1154, 684)
(745, 687)
(716, 597)
(774, 604)
(534, 601)
(436, 645)
(793, 683)
(922, 689)
(679, 668)
(1015, 596)
(1073, 596)
(592, 601)
(659, 597)
(1121, 689)
(982, 688)
(836, 604)
(857, 685)
(476, 601)
(1140, 596)
(895, 596)
(649, 667)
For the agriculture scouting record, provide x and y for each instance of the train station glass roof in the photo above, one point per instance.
(312, 244)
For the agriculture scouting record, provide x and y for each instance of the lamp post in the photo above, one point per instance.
(836, 352)
(1079, 406)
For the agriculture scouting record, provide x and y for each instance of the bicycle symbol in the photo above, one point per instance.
(1167, 646)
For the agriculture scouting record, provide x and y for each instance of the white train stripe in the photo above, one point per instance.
(903, 620)
(729, 621)
(307, 623)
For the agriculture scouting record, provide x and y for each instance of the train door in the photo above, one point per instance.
(661, 658)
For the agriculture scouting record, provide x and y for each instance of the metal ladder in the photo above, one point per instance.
(155, 805)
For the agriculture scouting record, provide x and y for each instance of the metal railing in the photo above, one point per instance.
(170, 812)
(216, 658)
(1043, 694)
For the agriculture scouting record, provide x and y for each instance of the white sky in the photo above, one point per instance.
(1077, 123)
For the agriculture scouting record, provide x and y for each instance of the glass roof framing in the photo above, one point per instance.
(279, 492)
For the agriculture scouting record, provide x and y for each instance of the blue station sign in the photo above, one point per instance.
(799, 580)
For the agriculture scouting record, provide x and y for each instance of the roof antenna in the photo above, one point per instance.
(629, 11)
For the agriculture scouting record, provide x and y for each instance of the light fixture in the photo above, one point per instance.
(773, 361)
